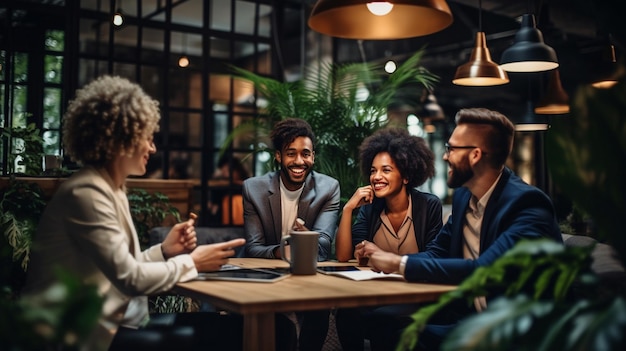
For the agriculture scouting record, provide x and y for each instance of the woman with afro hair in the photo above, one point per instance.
(393, 216)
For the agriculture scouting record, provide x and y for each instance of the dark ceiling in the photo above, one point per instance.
(578, 30)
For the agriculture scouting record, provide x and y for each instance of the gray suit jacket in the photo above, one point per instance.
(318, 207)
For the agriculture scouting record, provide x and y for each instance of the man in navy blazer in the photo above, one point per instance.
(272, 203)
(492, 208)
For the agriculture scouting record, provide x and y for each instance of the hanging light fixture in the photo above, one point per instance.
(609, 70)
(432, 111)
(529, 121)
(480, 70)
(555, 101)
(118, 17)
(379, 20)
(183, 61)
(529, 53)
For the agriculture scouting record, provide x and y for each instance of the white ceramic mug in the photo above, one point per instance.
(303, 251)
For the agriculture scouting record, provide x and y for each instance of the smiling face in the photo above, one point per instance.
(385, 177)
(136, 164)
(296, 162)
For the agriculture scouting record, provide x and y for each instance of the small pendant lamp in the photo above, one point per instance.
(529, 121)
(608, 70)
(379, 20)
(555, 101)
(480, 70)
(529, 53)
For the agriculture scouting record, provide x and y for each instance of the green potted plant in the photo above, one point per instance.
(26, 150)
(21, 205)
(330, 99)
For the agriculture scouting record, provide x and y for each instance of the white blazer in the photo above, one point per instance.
(87, 230)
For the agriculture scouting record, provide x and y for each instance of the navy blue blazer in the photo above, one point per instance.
(426, 217)
(262, 215)
(515, 211)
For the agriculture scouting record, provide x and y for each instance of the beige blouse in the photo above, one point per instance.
(403, 242)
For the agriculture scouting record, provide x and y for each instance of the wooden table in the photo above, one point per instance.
(258, 302)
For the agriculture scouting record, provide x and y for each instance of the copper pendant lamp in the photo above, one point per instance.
(355, 19)
(480, 70)
(529, 53)
(609, 71)
(555, 101)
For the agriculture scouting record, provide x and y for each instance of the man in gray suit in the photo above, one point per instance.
(274, 201)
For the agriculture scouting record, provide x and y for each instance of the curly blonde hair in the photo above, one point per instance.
(109, 116)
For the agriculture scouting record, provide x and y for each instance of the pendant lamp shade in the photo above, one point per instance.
(555, 101)
(529, 53)
(432, 111)
(480, 70)
(351, 19)
(529, 121)
(608, 72)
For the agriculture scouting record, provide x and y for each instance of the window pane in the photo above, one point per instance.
(20, 68)
(220, 125)
(244, 49)
(195, 165)
(188, 13)
(220, 89)
(152, 45)
(2, 117)
(2, 63)
(152, 82)
(125, 43)
(53, 69)
(19, 106)
(52, 108)
(264, 59)
(265, 21)
(55, 40)
(90, 4)
(186, 129)
(220, 48)
(88, 37)
(124, 70)
(244, 12)
(88, 70)
(195, 130)
(245, 142)
(220, 15)
(51, 142)
(185, 88)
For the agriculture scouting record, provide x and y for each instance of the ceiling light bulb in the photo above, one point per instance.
(379, 8)
(390, 67)
(183, 61)
(118, 19)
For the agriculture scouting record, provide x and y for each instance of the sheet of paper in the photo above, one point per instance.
(367, 275)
